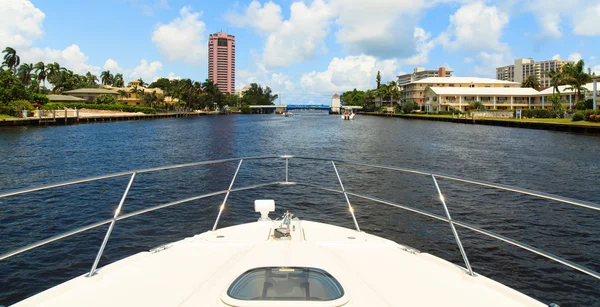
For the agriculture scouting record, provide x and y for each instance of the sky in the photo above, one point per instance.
(304, 50)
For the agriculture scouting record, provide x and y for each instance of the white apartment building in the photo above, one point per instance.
(526, 67)
(422, 73)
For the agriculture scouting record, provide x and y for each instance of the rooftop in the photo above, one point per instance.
(91, 91)
(64, 98)
(563, 89)
(464, 80)
(485, 91)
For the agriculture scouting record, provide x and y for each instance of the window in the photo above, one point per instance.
(285, 284)
(222, 42)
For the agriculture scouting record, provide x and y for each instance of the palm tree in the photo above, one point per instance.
(393, 91)
(142, 83)
(54, 69)
(40, 70)
(122, 93)
(133, 91)
(118, 80)
(25, 73)
(556, 79)
(11, 59)
(531, 81)
(576, 78)
(106, 77)
(91, 79)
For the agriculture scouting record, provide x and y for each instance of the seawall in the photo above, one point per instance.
(588, 129)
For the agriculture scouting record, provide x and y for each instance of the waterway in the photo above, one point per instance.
(553, 162)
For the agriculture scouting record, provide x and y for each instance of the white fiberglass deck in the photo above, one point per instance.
(198, 271)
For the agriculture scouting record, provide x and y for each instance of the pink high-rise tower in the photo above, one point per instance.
(221, 61)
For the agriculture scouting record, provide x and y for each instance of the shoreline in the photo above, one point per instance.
(113, 117)
(562, 127)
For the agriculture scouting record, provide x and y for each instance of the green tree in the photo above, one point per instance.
(106, 77)
(557, 102)
(11, 88)
(378, 79)
(40, 70)
(11, 59)
(475, 105)
(118, 80)
(556, 79)
(393, 92)
(53, 69)
(142, 83)
(257, 95)
(91, 79)
(409, 106)
(576, 78)
(105, 99)
(531, 81)
(25, 73)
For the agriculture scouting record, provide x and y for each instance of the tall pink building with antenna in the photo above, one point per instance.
(221, 61)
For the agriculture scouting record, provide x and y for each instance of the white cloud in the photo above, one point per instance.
(183, 39)
(263, 18)
(475, 27)
(71, 58)
(575, 56)
(298, 38)
(585, 20)
(551, 14)
(281, 81)
(147, 71)
(423, 46)
(382, 28)
(348, 73)
(486, 63)
(468, 60)
(556, 56)
(113, 66)
(20, 24)
(148, 7)
(172, 76)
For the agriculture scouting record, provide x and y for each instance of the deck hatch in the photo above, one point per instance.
(285, 284)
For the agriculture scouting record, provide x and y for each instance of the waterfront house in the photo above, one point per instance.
(89, 94)
(415, 91)
(65, 98)
(133, 94)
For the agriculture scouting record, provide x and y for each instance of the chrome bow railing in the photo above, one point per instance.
(434, 176)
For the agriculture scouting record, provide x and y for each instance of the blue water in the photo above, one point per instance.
(554, 162)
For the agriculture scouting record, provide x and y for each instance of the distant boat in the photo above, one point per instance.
(348, 115)
(288, 114)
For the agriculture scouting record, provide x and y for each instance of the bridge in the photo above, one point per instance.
(288, 107)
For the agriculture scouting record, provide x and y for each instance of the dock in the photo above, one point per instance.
(73, 119)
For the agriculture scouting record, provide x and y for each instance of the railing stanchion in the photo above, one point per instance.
(227, 195)
(110, 228)
(346, 195)
(460, 246)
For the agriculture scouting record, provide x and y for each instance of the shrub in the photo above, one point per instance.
(105, 99)
(409, 106)
(39, 99)
(542, 113)
(113, 107)
(246, 109)
(594, 118)
(580, 105)
(577, 116)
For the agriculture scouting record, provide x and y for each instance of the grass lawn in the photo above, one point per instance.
(4, 116)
